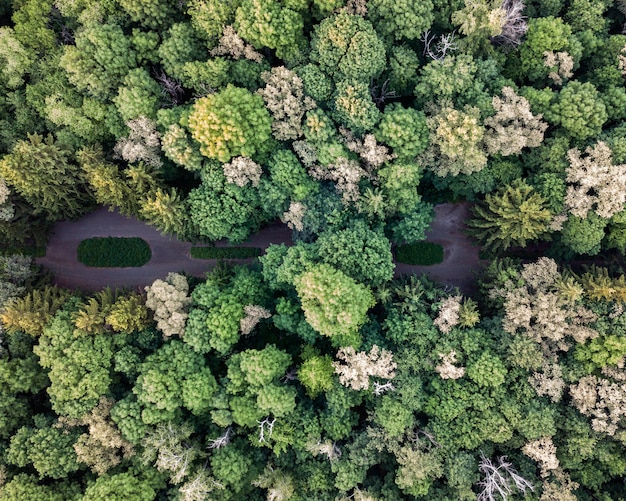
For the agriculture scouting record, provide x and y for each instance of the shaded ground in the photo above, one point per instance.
(460, 257)
(169, 254)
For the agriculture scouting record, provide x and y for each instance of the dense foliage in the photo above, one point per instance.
(312, 373)
(114, 252)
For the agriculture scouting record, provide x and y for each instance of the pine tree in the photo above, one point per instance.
(512, 216)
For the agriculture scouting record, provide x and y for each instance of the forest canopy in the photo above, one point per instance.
(317, 372)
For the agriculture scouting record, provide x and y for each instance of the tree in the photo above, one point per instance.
(272, 24)
(353, 106)
(153, 14)
(253, 381)
(32, 312)
(402, 19)
(456, 139)
(222, 210)
(100, 60)
(346, 47)
(171, 378)
(595, 183)
(333, 303)
(512, 216)
(17, 59)
(48, 448)
(357, 367)
(545, 34)
(584, 235)
(165, 210)
(169, 299)
(513, 120)
(103, 447)
(128, 314)
(579, 110)
(284, 97)
(218, 310)
(40, 170)
(404, 129)
(139, 96)
(230, 123)
(359, 252)
(118, 487)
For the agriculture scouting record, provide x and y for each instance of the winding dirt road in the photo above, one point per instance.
(169, 254)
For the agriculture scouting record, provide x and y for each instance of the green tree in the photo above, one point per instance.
(223, 210)
(24, 487)
(579, 110)
(584, 236)
(405, 130)
(41, 171)
(346, 47)
(545, 34)
(359, 252)
(138, 97)
(253, 381)
(333, 303)
(230, 123)
(119, 487)
(512, 216)
(353, 106)
(49, 449)
(401, 19)
(80, 366)
(100, 60)
(215, 320)
(153, 14)
(273, 24)
(174, 377)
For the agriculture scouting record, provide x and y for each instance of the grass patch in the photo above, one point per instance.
(420, 253)
(225, 252)
(114, 252)
(25, 250)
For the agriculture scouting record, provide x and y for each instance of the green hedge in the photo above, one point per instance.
(419, 253)
(225, 252)
(114, 252)
(26, 251)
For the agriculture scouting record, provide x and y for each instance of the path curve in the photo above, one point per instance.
(170, 254)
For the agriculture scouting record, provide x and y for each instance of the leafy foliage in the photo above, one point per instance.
(114, 252)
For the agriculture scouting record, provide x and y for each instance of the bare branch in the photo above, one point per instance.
(221, 441)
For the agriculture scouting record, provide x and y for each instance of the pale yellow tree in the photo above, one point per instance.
(561, 66)
(231, 44)
(241, 171)
(595, 183)
(457, 145)
(142, 144)
(357, 367)
(284, 97)
(513, 127)
(169, 300)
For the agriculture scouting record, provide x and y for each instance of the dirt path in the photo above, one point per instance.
(169, 254)
(460, 259)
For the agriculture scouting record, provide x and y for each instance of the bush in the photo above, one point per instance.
(114, 252)
(420, 253)
(25, 250)
(225, 252)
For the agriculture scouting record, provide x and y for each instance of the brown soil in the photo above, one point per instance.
(169, 254)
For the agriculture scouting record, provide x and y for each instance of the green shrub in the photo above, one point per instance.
(225, 252)
(114, 252)
(420, 253)
(26, 251)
